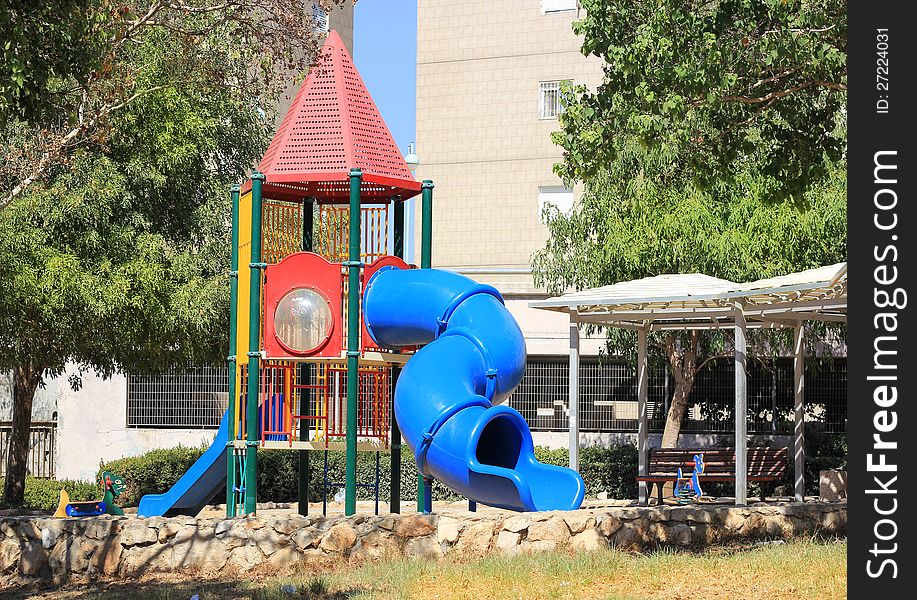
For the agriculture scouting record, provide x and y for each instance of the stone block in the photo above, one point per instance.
(475, 539)
(447, 530)
(508, 542)
(554, 529)
(832, 485)
(423, 547)
(587, 540)
(33, 556)
(415, 526)
(339, 538)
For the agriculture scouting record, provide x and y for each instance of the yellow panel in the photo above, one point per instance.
(242, 314)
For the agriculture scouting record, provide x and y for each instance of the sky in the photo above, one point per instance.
(385, 49)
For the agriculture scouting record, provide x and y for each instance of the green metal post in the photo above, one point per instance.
(426, 244)
(353, 342)
(397, 250)
(305, 378)
(231, 359)
(424, 484)
(254, 352)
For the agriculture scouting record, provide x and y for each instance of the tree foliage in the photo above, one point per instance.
(69, 66)
(715, 144)
(113, 254)
(714, 87)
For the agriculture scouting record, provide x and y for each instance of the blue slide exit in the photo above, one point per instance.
(197, 486)
(445, 398)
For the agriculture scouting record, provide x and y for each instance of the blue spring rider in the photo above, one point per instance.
(687, 489)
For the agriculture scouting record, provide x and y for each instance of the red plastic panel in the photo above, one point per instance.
(311, 271)
(369, 270)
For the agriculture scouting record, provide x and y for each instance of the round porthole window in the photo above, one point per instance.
(302, 321)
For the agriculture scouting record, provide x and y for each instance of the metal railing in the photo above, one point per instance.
(42, 448)
(193, 397)
(608, 396)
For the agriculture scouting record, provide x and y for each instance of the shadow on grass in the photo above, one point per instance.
(315, 588)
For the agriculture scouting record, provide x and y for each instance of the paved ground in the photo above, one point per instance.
(461, 506)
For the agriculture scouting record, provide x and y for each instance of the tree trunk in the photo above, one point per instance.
(677, 409)
(25, 382)
(684, 369)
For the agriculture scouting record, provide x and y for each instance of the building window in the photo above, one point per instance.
(556, 196)
(549, 105)
(319, 18)
(187, 398)
(556, 6)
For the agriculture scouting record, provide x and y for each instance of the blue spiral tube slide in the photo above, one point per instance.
(447, 396)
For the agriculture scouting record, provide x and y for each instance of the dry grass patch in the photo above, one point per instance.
(799, 570)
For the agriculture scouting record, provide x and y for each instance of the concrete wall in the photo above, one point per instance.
(92, 426)
(560, 439)
(44, 405)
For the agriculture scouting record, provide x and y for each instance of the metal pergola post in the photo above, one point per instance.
(799, 456)
(573, 404)
(642, 432)
(741, 404)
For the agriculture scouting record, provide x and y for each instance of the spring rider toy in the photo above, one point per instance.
(113, 485)
(687, 489)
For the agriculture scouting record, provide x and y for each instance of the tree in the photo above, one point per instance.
(69, 66)
(114, 256)
(619, 233)
(714, 86)
(716, 143)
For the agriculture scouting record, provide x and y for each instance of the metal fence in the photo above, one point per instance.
(42, 447)
(608, 396)
(181, 398)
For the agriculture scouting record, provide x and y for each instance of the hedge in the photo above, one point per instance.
(604, 469)
(44, 494)
(610, 470)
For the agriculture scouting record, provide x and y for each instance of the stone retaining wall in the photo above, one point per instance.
(121, 547)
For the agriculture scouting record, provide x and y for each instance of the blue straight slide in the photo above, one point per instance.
(447, 396)
(197, 486)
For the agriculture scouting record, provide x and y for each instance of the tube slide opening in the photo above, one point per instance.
(500, 443)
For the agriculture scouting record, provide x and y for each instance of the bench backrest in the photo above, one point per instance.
(761, 461)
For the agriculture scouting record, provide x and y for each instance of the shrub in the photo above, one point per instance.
(151, 473)
(44, 494)
(612, 470)
(604, 469)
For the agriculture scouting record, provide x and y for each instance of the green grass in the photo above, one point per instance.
(798, 570)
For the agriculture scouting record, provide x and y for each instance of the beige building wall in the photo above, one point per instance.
(480, 139)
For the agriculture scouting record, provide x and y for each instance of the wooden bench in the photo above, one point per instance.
(764, 465)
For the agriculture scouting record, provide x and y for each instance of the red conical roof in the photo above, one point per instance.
(332, 126)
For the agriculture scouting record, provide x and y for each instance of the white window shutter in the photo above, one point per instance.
(558, 196)
(553, 6)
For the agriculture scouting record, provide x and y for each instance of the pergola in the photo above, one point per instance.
(695, 301)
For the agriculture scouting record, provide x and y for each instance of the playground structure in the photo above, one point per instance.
(321, 225)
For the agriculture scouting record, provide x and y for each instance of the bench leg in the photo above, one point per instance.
(659, 492)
